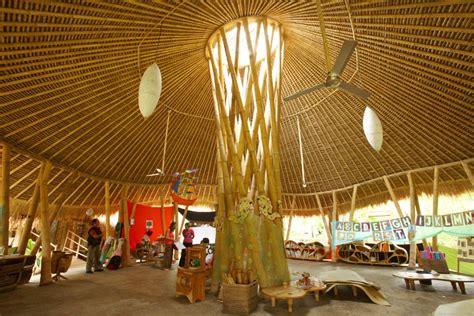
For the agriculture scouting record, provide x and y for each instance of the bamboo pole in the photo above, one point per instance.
(353, 203)
(126, 249)
(334, 218)
(435, 203)
(468, 172)
(323, 218)
(291, 218)
(162, 204)
(392, 194)
(57, 208)
(45, 228)
(31, 211)
(107, 209)
(418, 213)
(412, 258)
(184, 219)
(5, 199)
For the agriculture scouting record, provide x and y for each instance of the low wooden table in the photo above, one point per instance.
(288, 293)
(314, 289)
(411, 277)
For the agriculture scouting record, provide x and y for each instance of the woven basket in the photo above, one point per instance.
(239, 298)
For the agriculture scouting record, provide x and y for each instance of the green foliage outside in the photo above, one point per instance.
(452, 260)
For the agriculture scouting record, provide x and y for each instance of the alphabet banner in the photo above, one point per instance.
(394, 230)
(456, 224)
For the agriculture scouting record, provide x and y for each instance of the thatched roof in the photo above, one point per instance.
(71, 71)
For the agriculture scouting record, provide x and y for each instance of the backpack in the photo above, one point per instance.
(114, 263)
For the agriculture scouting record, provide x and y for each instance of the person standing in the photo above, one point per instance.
(188, 234)
(93, 245)
(169, 245)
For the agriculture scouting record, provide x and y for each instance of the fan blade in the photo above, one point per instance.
(303, 92)
(343, 57)
(348, 87)
(154, 174)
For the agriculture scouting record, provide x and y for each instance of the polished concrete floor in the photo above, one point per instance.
(144, 290)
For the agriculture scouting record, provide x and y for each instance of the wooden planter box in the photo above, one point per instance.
(239, 298)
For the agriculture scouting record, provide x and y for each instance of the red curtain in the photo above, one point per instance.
(144, 214)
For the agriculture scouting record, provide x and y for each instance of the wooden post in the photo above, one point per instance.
(435, 203)
(418, 213)
(412, 258)
(392, 194)
(31, 214)
(334, 218)
(126, 252)
(162, 202)
(107, 209)
(323, 218)
(61, 199)
(468, 172)
(45, 228)
(5, 199)
(182, 222)
(291, 217)
(353, 203)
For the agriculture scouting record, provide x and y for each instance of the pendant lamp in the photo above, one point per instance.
(373, 128)
(150, 90)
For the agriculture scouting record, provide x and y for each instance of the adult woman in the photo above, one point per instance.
(188, 235)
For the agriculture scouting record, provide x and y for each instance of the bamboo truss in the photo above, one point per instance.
(245, 58)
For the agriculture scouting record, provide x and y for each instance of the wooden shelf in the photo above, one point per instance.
(314, 251)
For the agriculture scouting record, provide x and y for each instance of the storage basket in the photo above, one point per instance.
(239, 298)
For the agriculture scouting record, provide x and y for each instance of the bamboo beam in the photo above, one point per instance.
(5, 199)
(353, 203)
(182, 222)
(45, 278)
(392, 194)
(324, 36)
(412, 258)
(418, 213)
(57, 208)
(126, 251)
(162, 202)
(468, 172)
(323, 218)
(107, 209)
(435, 203)
(32, 210)
(291, 218)
(334, 218)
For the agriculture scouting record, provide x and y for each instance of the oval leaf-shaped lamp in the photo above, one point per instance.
(150, 90)
(373, 128)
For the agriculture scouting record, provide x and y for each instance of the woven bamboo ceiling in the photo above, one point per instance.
(71, 71)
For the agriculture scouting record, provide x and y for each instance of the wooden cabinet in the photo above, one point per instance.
(191, 283)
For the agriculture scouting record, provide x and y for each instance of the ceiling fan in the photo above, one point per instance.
(333, 80)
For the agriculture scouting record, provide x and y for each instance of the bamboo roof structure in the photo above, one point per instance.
(69, 94)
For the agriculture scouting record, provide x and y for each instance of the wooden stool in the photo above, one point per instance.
(288, 293)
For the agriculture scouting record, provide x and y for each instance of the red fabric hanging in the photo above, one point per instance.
(144, 213)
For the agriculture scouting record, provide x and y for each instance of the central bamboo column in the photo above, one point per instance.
(245, 60)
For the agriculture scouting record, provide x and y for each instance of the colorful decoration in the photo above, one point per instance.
(182, 187)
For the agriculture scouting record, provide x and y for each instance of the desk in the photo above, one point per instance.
(288, 293)
(411, 277)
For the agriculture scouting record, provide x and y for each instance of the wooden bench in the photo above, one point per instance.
(411, 277)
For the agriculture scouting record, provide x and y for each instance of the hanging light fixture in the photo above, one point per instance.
(151, 82)
(373, 128)
(150, 90)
